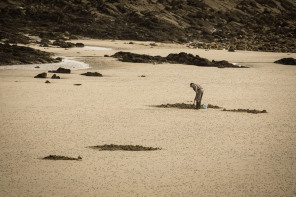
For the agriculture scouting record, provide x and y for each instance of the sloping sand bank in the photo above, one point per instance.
(204, 152)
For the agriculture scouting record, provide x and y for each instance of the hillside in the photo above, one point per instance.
(265, 25)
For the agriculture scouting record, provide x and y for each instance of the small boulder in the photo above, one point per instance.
(41, 75)
(79, 44)
(54, 76)
(61, 70)
(231, 49)
(47, 81)
(286, 61)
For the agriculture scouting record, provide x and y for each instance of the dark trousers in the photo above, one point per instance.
(198, 98)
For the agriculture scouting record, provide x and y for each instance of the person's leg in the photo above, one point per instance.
(198, 96)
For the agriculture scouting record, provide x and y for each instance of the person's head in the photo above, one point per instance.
(191, 84)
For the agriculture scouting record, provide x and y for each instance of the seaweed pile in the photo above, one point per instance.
(114, 147)
(59, 157)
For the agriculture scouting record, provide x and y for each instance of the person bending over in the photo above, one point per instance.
(199, 92)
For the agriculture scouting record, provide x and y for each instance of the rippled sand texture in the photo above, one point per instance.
(203, 153)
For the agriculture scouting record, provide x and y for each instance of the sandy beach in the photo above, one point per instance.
(207, 152)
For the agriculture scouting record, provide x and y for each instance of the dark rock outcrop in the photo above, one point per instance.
(266, 25)
(13, 54)
(79, 44)
(54, 76)
(286, 61)
(61, 70)
(63, 44)
(41, 75)
(173, 58)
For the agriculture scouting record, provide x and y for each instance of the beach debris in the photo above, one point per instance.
(94, 74)
(77, 84)
(47, 81)
(41, 75)
(253, 111)
(61, 70)
(142, 76)
(54, 76)
(58, 157)
(114, 147)
(37, 67)
(173, 58)
(286, 61)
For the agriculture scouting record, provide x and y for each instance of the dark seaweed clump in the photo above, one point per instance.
(114, 147)
(186, 106)
(253, 111)
(58, 157)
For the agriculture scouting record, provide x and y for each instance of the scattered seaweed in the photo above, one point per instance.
(214, 106)
(253, 111)
(186, 106)
(94, 74)
(58, 157)
(114, 147)
(191, 106)
(177, 105)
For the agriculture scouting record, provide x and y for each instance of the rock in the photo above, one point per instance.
(174, 58)
(37, 67)
(63, 44)
(286, 61)
(231, 49)
(94, 74)
(79, 45)
(47, 81)
(41, 75)
(61, 70)
(54, 76)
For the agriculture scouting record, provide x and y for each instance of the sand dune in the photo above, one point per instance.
(203, 153)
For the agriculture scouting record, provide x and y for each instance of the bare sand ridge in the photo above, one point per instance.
(203, 153)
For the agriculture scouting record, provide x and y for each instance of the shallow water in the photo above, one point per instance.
(69, 63)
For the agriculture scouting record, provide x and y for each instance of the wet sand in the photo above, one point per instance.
(203, 153)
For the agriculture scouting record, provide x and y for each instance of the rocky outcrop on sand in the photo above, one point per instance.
(14, 55)
(41, 75)
(286, 61)
(61, 70)
(54, 76)
(245, 25)
(173, 58)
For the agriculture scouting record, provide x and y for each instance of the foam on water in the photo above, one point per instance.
(66, 63)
